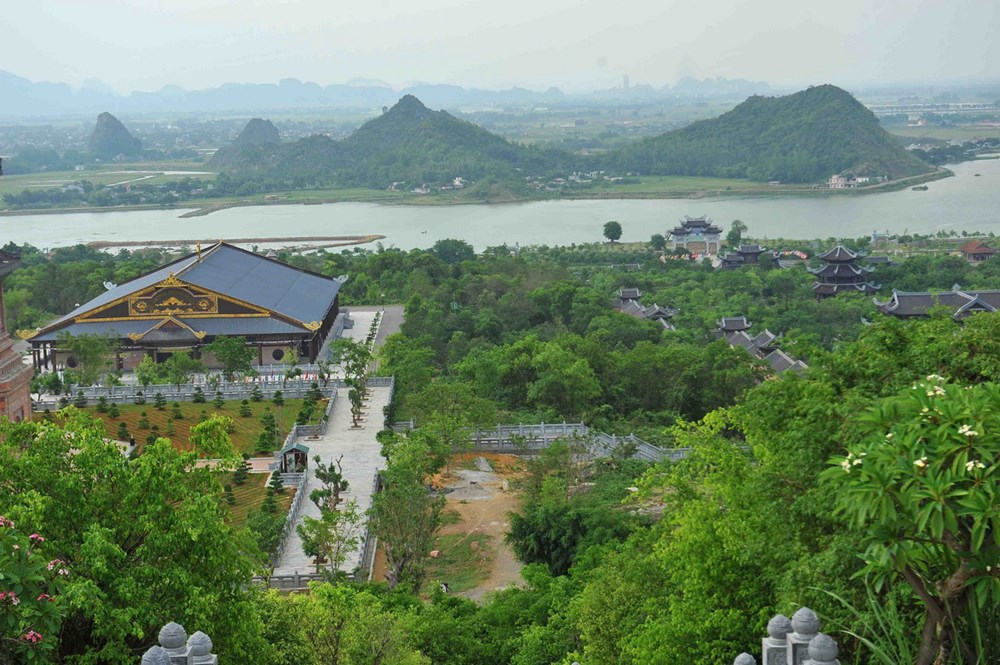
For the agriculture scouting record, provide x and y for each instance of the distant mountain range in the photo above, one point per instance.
(22, 97)
(799, 138)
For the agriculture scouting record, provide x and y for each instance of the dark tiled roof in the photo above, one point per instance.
(629, 294)
(918, 303)
(8, 263)
(733, 323)
(838, 254)
(840, 270)
(283, 289)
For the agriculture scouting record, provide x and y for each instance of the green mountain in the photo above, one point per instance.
(258, 132)
(110, 139)
(804, 137)
(408, 143)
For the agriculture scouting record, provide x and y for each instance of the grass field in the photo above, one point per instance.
(464, 560)
(251, 494)
(244, 437)
(947, 133)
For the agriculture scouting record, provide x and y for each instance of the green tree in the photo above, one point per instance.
(31, 606)
(921, 482)
(332, 537)
(657, 242)
(405, 516)
(735, 235)
(92, 355)
(148, 372)
(612, 231)
(179, 368)
(233, 354)
(133, 570)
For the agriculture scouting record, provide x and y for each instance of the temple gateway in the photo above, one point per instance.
(186, 304)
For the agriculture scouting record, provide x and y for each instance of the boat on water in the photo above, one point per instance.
(920, 188)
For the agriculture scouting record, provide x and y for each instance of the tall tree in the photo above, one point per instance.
(234, 355)
(92, 355)
(612, 231)
(168, 556)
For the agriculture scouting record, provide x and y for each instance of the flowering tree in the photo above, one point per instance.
(30, 583)
(922, 483)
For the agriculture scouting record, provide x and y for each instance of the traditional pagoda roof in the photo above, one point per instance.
(296, 446)
(699, 225)
(841, 270)
(221, 290)
(782, 362)
(832, 288)
(733, 324)
(629, 293)
(754, 250)
(918, 303)
(839, 254)
(877, 260)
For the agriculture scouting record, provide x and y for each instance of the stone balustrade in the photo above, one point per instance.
(794, 642)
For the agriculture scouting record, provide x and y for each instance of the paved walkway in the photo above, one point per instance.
(362, 458)
(362, 453)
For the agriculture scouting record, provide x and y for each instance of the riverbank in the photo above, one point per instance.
(312, 241)
(648, 188)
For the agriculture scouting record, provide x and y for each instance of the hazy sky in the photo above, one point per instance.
(571, 44)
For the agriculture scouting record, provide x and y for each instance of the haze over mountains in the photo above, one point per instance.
(22, 97)
(799, 138)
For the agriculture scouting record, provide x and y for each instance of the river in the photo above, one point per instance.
(964, 202)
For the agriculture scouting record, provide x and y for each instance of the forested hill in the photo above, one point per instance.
(408, 143)
(804, 137)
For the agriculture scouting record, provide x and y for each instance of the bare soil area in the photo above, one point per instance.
(473, 558)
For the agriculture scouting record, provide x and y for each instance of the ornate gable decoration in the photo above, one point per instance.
(172, 300)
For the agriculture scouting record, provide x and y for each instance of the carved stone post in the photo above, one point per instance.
(156, 656)
(823, 651)
(805, 625)
(774, 647)
(201, 649)
(745, 659)
(173, 638)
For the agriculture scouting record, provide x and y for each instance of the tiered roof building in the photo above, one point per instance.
(697, 235)
(841, 273)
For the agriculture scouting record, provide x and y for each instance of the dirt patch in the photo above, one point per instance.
(481, 504)
(473, 557)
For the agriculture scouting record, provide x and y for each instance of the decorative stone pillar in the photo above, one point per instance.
(201, 649)
(805, 625)
(774, 647)
(745, 659)
(156, 656)
(173, 638)
(823, 651)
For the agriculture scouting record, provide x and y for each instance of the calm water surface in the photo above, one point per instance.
(965, 202)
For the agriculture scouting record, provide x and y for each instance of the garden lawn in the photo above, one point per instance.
(251, 494)
(247, 429)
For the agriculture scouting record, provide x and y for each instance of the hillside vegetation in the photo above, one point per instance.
(804, 137)
(408, 143)
(801, 138)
